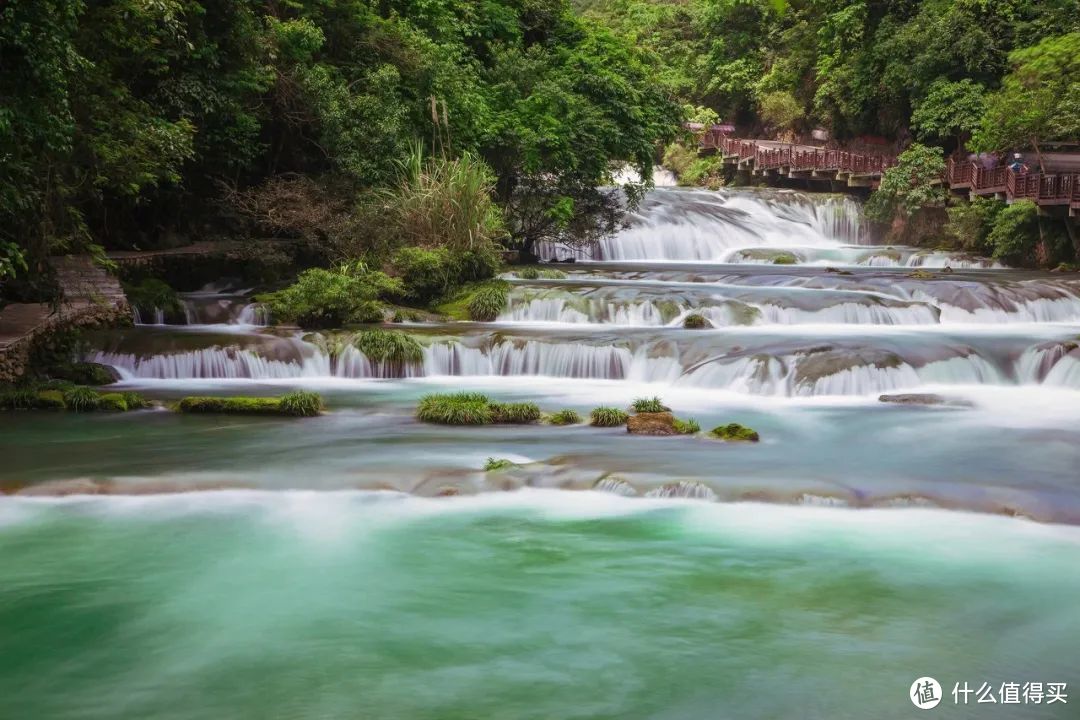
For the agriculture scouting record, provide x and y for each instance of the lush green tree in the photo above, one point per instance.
(1038, 99)
(913, 183)
(949, 110)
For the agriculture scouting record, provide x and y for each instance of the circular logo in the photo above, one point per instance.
(925, 693)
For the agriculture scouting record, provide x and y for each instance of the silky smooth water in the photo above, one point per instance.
(363, 565)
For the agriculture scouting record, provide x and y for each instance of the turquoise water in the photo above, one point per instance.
(536, 604)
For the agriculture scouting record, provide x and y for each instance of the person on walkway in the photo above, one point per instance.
(1017, 165)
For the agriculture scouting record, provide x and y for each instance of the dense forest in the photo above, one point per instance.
(452, 126)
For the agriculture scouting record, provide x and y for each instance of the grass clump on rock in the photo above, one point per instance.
(686, 427)
(532, 273)
(495, 465)
(462, 408)
(487, 302)
(297, 404)
(522, 413)
(696, 322)
(735, 432)
(82, 399)
(389, 346)
(565, 417)
(608, 417)
(785, 259)
(649, 405)
(301, 403)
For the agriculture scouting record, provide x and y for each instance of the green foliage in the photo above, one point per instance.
(135, 401)
(151, 294)
(686, 427)
(679, 158)
(607, 417)
(332, 298)
(734, 432)
(779, 109)
(649, 405)
(19, 398)
(495, 465)
(909, 185)
(785, 258)
(970, 224)
(295, 404)
(112, 402)
(487, 302)
(1038, 99)
(564, 417)
(454, 409)
(1015, 233)
(301, 403)
(949, 110)
(428, 274)
(695, 321)
(522, 413)
(81, 399)
(389, 346)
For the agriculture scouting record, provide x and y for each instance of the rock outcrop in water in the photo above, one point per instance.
(652, 423)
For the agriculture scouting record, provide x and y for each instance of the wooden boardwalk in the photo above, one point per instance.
(1058, 190)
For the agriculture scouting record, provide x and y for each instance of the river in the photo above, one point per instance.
(167, 566)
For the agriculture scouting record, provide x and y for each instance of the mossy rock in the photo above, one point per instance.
(785, 259)
(734, 432)
(695, 321)
(479, 302)
(686, 427)
(50, 400)
(238, 406)
(113, 402)
(84, 373)
(498, 465)
(29, 398)
(921, 275)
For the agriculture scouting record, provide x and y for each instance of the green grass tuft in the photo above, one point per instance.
(495, 465)
(686, 427)
(785, 259)
(301, 403)
(533, 273)
(487, 302)
(608, 417)
(565, 417)
(522, 413)
(135, 401)
(391, 346)
(649, 405)
(81, 399)
(454, 409)
(735, 432)
(19, 399)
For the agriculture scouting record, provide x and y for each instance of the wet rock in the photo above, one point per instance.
(683, 489)
(696, 322)
(923, 399)
(838, 271)
(447, 491)
(660, 423)
(615, 485)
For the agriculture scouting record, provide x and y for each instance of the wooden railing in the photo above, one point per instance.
(799, 158)
(1043, 188)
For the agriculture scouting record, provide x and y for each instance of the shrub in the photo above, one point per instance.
(686, 427)
(649, 405)
(696, 322)
(678, 158)
(152, 294)
(487, 302)
(324, 298)
(911, 184)
(779, 109)
(426, 274)
(442, 202)
(391, 346)
(565, 417)
(970, 223)
(493, 465)
(514, 413)
(81, 399)
(1015, 233)
(454, 409)
(608, 417)
(301, 403)
(734, 432)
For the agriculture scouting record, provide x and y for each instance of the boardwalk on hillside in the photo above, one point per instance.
(1059, 188)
